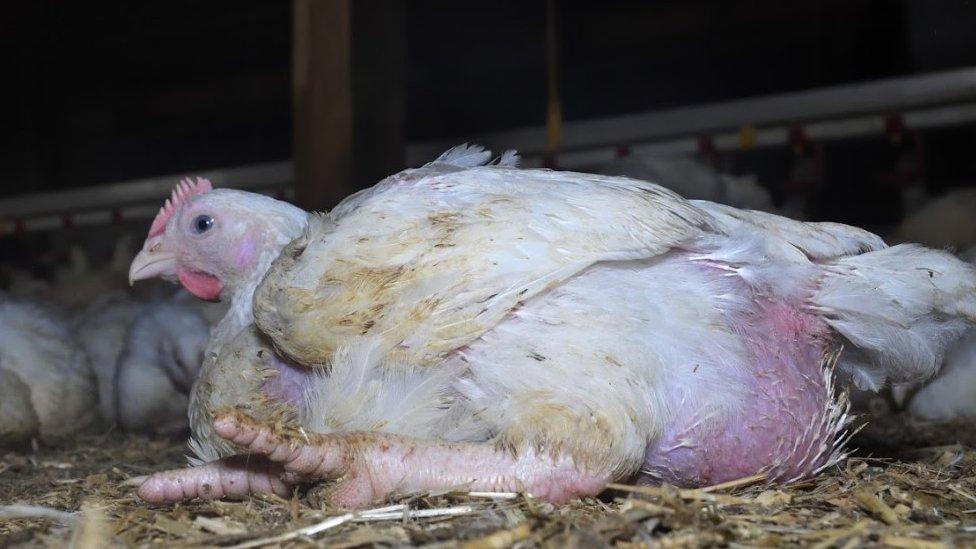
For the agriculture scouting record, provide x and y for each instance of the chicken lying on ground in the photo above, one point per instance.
(146, 356)
(18, 420)
(101, 329)
(692, 178)
(38, 348)
(160, 358)
(948, 221)
(563, 330)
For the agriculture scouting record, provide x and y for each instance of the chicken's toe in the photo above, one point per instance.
(315, 456)
(235, 476)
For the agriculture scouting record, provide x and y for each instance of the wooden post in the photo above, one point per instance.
(348, 96)
(322, 101)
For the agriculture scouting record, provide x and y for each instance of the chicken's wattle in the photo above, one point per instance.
(203, 285)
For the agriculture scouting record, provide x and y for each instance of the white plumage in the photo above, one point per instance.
(693, 179)
(101, 330)
(951, 396)
(160, 357)
(119, 332)
(948, 221)
(18, 420)
(545, 329)
(38, 346)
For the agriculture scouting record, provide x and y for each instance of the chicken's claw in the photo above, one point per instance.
(316, 457)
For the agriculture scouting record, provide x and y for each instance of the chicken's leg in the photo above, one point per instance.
(369, 465)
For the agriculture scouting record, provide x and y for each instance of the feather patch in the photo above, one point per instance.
(181, 193)
(464, 156)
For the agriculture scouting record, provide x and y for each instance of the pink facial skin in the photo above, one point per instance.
(246, 253)
(210, 240)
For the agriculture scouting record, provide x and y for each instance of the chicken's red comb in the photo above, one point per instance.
(181, 193)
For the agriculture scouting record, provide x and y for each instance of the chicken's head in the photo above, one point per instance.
(214, 241)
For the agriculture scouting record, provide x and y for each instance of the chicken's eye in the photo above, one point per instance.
(202, 224)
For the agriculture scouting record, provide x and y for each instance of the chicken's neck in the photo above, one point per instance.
(240, 314)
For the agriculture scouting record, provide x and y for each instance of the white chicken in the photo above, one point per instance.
(38, 346)
(101, 330)
(951, 396)
(693, 179)
(146, 341)
(563, 330)
(948, 221)
(18, 420)
(159, 362)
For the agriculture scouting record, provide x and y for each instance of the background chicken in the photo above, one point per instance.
(101, 330)
(38, 347)
(78, 284)
(144, 338)
(141, 353)
(159, 361)
(704, 355)
(18, 420)
(694, 179)
(948, 221)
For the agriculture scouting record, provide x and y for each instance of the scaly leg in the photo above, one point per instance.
(369, 465)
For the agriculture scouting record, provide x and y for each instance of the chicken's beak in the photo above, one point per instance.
(153, 262)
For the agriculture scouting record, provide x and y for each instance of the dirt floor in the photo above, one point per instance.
(922, 494)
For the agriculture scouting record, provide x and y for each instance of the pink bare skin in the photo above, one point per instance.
(367, 466)
(235, 476)
(781, 428)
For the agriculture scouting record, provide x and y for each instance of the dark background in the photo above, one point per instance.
(105, 92)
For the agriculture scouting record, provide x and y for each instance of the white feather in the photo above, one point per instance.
(900, 307)
(464, 156)
(365, 391)
(163, 350)
(38, 346)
